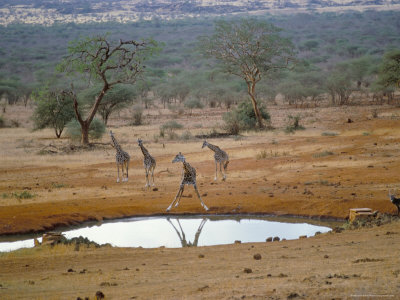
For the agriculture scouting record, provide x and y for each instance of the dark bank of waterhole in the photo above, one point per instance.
(181, 231)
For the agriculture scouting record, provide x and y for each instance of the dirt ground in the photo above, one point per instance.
(323, 171)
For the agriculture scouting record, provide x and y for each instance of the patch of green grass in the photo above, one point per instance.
(328, 133)
(5, 195)
(23, 195)
(366, 133)
(320, 182)
(322, 154)
(58, 185)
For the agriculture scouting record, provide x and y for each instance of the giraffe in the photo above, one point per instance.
(182, 237)
(122, 158)
(220, 157)
(149, 163)
(188, 177)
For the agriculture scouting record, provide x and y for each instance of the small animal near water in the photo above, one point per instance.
(188, 178)
(395, 201)
(149, 163)
(220, 157)
(122, 158)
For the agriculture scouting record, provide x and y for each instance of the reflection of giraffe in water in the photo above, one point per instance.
(182, 236)
(188, 177)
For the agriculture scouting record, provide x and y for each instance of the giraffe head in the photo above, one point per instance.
(179, 157)
(140, 142)
(204, 144)
(111, 133)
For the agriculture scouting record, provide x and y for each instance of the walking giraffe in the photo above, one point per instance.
(188, 177)
(122, 158)
(220, 157)
(149, 163)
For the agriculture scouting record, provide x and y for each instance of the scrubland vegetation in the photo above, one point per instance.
(338, 59)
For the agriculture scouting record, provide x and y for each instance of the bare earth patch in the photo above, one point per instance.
(308, 173)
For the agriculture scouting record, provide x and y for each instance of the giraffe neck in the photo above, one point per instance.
(186, 167)
(116, 145)
(144, 150)
(213, 147)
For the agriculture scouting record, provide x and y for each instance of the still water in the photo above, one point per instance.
(173, 232)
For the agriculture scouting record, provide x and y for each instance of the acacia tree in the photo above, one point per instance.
(249, 48)
(109, 63)
(53, 109)
(389, 71)
(115, 100)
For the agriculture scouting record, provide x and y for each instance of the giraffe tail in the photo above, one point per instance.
(226, 164)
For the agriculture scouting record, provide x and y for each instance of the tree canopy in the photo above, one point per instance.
(248, 48)
(107, 62)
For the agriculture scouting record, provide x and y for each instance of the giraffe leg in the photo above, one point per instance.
(127, 167)
(147, 177)
(152, 174)
(180, 191)
(222, 171)
(125, 174)
(198, 195)
(216, 170)
(122, 170)
(179, 199)
(117, 172)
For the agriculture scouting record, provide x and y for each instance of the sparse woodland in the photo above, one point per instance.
(338, 60)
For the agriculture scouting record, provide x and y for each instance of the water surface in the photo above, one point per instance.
(173, 232)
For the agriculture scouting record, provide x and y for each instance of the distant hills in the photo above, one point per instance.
(50, 11)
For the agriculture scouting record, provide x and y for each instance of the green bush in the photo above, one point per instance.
(243, 117)
(137, 115)
(193, 103)
(293, 124)
(232, 122)
(96, 129)
(170, 128)
(23, 195)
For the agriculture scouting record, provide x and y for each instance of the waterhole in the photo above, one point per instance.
(183, 231)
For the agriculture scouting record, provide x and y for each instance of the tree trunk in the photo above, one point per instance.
(85, 133)
(86, 123)
(251, 90)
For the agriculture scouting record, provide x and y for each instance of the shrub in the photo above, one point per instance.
(322, 154)
(243, 117)
(328, 133)
(171, 125)
(293, 124)
(137, 115)
(193, 103)
(23, 195)
(2, 123)
(187, 135)
(232, 122)
(53, 110)
(96, 129)
(170, 128)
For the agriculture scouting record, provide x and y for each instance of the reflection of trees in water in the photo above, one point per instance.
(181, 233)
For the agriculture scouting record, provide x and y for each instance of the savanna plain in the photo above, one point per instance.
(346, 157)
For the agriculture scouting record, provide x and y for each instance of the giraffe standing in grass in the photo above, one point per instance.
(220, 157)
(188, 177)
(149, 163)
(122, 158)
